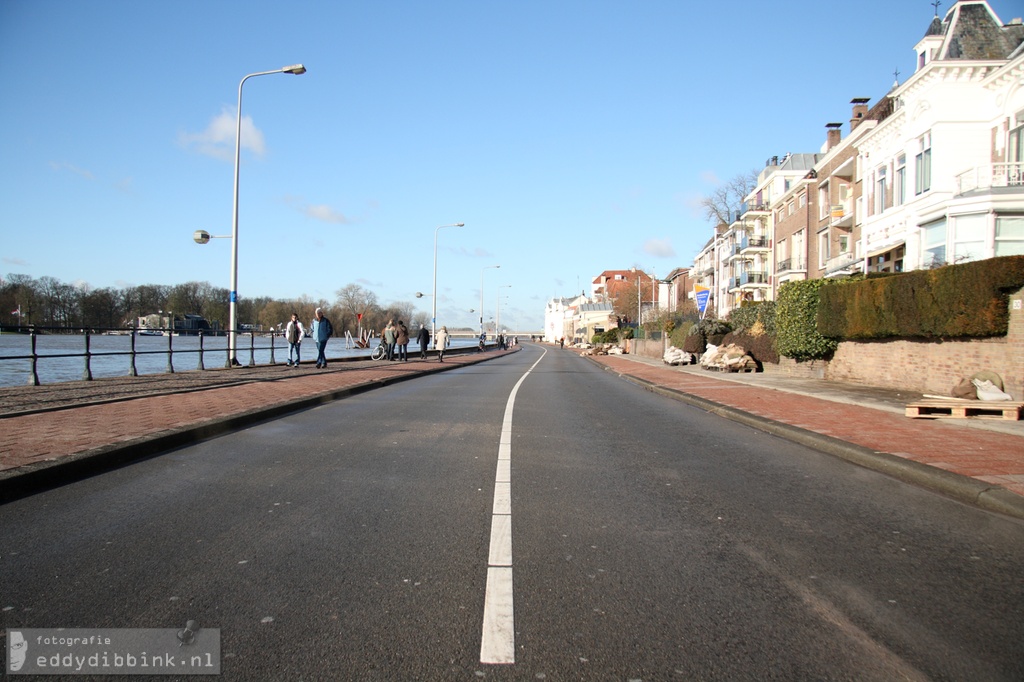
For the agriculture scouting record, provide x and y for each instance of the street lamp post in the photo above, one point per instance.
(497, 308)
(639, 311)
(486, 267)
(433, 298)
(296, 69)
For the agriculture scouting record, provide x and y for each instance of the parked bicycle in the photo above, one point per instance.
(380, 352)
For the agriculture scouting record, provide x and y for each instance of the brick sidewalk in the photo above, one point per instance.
(990, 457)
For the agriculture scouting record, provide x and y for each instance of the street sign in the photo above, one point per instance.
(701, 294)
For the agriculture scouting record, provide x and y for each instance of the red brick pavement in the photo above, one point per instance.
(996, 458)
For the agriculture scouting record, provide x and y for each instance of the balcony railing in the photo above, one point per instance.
(755, 243)
(843, 261)
(996, 175)
(790, 264)
(754, 278)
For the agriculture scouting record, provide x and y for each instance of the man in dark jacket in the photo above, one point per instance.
(424, 338)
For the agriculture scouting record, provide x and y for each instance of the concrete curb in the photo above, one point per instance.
(961, 488)
(30, 479)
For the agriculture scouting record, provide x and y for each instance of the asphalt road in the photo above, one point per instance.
(649, 541)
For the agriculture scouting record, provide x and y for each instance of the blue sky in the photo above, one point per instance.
(570, 137)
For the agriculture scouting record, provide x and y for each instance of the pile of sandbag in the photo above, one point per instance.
(981, 386)
(616, 350)
(731, 358)
(676, 356)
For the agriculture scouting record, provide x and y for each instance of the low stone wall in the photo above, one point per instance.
(648, 348)
(933, 367)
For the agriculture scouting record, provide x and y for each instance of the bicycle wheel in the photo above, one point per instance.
(377, 353)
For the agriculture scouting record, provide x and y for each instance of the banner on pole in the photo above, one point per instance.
(701, 294)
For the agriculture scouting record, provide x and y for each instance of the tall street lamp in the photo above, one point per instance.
(433, 299)
(486, 267)
(297, 69)
(497, 308)
(639, 312)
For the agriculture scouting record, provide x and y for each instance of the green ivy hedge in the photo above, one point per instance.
(796, 316)
(964, 300)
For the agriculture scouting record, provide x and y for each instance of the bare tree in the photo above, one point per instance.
(723, 204)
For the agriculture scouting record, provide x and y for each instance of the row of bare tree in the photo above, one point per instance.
(48, 302)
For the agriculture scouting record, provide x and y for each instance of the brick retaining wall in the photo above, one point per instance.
(919, 366)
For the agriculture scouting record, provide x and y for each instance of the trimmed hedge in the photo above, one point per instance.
(761, 347)
(964, 300)
(796, 316)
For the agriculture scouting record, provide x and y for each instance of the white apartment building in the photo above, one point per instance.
(943, 180)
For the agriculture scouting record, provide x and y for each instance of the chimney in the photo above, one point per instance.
(860, 110)
(834, 135)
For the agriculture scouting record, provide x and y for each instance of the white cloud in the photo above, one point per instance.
(218, 140)
(65, 166)
(659, 248)
(710, 177)
(326, 214)
(321, 212)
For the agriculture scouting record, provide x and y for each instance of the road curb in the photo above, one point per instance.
(956, 486)
(30, 479)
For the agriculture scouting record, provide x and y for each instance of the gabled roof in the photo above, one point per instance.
(596, 308)
(800, 162)
(973, 32)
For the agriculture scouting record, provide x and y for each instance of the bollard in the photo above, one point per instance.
(252, 349)
(33, 380)
(200, 367)
(170, 352)
(87, 373)
(273, 336)
(132, 372)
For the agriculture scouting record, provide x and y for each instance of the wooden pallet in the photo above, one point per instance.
(965, 409)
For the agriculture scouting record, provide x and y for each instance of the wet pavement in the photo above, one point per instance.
(60, 432)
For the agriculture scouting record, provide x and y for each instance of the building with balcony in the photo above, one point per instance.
(748, 264)
(942, 174)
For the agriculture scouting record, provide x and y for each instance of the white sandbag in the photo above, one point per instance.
(988, 391)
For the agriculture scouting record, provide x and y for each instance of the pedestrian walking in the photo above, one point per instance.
(321, 330)
(442, 341)
(294, 333)
(402, 341)
(424, 339)
(390, 336)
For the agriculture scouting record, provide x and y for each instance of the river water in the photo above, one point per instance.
(111, 355)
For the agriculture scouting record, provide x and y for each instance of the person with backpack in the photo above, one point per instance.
(294, 333)
(321, 330)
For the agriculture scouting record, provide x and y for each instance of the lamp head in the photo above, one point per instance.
(460, 224)
(297, 69)
(201, 236)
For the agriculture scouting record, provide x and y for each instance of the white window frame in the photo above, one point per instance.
(923, 165)
(880, 180)
(1011, 243)
(899, 188)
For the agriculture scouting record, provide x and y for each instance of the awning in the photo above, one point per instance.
(885, 247)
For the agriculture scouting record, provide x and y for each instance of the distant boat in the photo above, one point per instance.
(150, 332)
